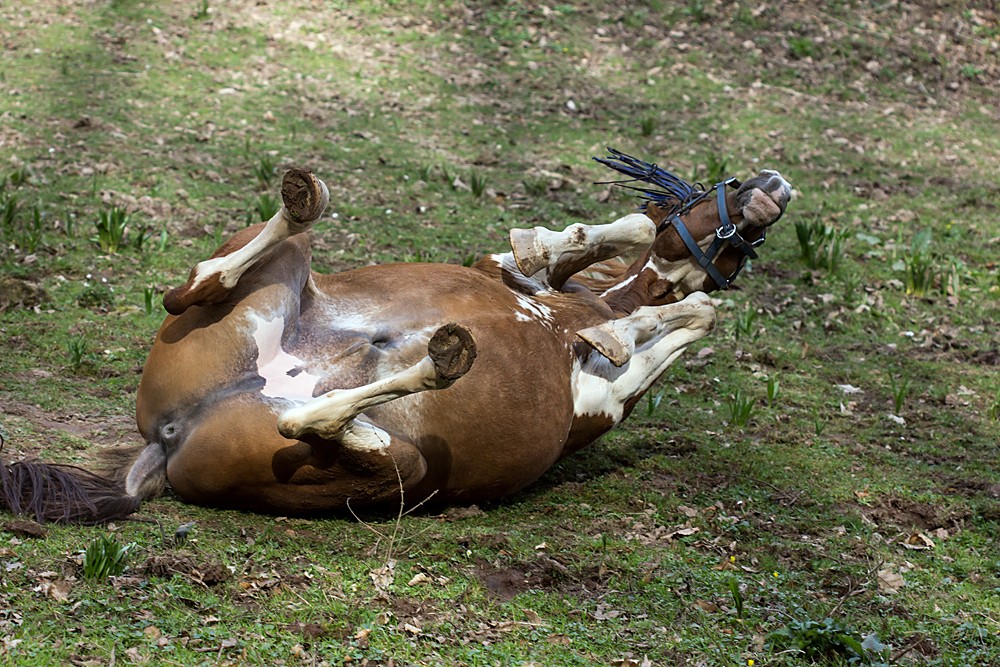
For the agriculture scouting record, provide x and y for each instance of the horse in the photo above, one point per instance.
(272, 388)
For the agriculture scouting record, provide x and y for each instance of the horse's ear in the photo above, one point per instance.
(655, 213)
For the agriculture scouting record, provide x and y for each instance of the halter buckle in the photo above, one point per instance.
(725, 232)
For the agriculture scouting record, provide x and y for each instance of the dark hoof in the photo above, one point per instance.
(453, 349)
(305, 197)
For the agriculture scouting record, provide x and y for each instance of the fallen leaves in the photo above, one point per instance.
(889, 581)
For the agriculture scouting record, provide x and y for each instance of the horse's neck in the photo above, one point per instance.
(632, 290)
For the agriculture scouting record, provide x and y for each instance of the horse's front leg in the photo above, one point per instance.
(304, 198)
(554, 257)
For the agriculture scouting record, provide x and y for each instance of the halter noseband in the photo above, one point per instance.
(726, 232)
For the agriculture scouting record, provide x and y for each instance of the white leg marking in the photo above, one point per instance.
(541, 249)
(230, 267)
(364, 437)
(660, 335)
(328, 415)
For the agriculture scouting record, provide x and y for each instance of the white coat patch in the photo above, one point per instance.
(277, 367)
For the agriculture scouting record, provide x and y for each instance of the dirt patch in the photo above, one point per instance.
(545, 574)
(906, 515)
(210, 574)
(983, 357)
(308, 630)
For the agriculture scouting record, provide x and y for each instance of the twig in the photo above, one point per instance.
(852, 589)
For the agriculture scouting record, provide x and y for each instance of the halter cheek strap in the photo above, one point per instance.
(726, 232)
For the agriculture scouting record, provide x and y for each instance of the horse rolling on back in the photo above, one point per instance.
(276, 389)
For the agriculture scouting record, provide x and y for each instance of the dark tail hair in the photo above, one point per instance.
(62, 493)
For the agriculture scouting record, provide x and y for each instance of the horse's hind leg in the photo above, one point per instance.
(332, 416)
(559, 255)
(304, 197)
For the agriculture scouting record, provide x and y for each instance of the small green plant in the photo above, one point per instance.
(20, 176)
(822, 245)
(265, 208)
(70, 224)
(951, 277)
(849, 288)
(77, 353)
(162, 245)
(8, 209)
(994, 410)
(734, 589)
(801, 48)
(919, 264)
(104, 558)
(31, 235)
(536, 187)
(202, 12)
(696, 10)
(900, 389)
(828, 640)
(648, 126)
(819, 424)
(653, 402)
(264, 170)
(970, 71)
(919, 274)
(112, 225)
(772, 390)
(140, 238)
(740, 410)
(745, 324)
(149, 300)
(478, 184)
(715, 169)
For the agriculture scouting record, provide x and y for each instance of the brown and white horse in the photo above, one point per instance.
(276, 389)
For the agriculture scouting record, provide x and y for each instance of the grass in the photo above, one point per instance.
(673, 538)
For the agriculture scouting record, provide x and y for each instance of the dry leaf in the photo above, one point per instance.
(58, 591)
(412, 629)
(419, 578)
(532, 617)
(683, 532)
(689, 512)
(918, 541)
(152, 632)
(889, 581)
(708, 607)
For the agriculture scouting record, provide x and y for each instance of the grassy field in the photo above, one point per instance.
(820, 472)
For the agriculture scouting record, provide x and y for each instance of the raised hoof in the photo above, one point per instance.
(452, 349)
(529, 258)
(305, 197)
(607, 343)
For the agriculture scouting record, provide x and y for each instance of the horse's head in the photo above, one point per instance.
(703, 236)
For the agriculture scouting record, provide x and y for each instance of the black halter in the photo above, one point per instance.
(726, 232)
(679, 198)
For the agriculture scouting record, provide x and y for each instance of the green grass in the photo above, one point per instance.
(184, 115)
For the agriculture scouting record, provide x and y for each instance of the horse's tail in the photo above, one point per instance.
(62, 493)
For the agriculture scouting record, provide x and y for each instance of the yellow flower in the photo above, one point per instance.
(750, 662)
